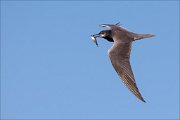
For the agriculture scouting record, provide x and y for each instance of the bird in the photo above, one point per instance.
(119, 53)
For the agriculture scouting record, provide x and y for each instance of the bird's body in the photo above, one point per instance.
(119, 53)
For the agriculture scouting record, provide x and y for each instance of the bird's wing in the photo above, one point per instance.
(113, 26)
(119, 55)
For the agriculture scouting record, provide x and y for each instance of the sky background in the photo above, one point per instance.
(51, 69)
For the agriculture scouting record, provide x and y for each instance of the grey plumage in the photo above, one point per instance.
(119, 53)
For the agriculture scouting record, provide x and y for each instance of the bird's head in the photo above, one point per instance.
(105, 33)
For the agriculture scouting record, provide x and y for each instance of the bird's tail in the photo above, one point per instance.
(141, 36)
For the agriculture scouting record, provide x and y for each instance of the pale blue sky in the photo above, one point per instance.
(51, 69)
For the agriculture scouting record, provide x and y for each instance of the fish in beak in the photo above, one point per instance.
(93, 37)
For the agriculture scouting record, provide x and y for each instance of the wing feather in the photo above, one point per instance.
(119, 55)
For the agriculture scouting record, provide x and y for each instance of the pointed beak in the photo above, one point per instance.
(93, 37)
(96, 35)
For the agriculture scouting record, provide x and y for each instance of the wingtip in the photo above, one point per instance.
(103, 25)
(118, 24)
(142, 99)
(152, 35)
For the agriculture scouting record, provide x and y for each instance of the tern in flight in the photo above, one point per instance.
(119, 53)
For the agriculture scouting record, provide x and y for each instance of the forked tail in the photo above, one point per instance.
(141, 36)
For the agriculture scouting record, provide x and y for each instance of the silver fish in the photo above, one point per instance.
(93, 37)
